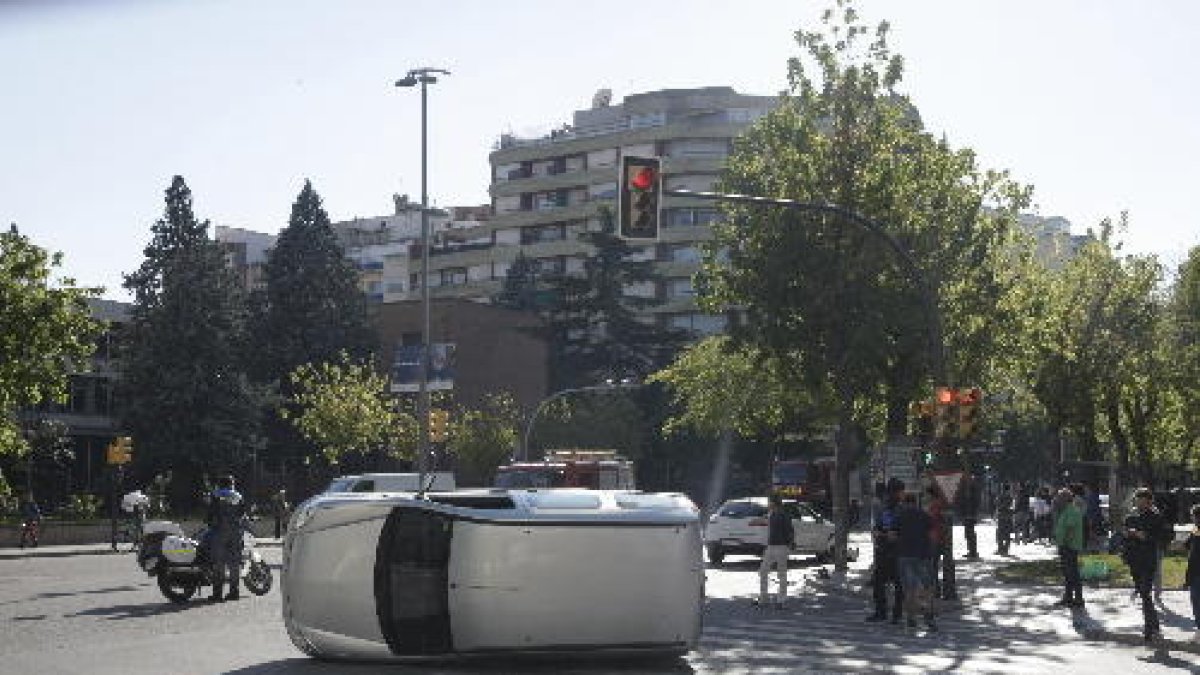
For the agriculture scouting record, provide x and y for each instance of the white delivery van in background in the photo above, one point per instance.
(440, 481)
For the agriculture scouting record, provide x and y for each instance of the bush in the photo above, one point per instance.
(81, 507)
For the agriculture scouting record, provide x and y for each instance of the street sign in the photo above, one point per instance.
(948, 482)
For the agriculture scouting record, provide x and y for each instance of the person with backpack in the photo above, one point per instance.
(1143, 530)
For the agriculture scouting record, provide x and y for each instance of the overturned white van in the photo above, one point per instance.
(393, 577)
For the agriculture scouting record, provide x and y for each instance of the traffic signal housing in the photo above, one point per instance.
(439, 422)
(639, 198)
(945, 400)
(922, 414)
(968, 411)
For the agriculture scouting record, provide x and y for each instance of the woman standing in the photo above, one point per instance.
(1191, 578)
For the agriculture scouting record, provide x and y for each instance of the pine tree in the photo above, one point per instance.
(185, 395)
(596, 328)
(312, 310)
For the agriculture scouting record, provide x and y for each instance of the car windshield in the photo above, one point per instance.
(341, 485)
(742, 510)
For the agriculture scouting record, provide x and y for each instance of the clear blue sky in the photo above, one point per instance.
(1091, 101)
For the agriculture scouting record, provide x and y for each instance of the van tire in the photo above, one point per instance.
(716, 554)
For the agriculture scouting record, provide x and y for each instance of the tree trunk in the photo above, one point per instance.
(846, 451)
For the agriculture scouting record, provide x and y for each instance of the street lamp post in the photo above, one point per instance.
(424, 77)
(623, 384)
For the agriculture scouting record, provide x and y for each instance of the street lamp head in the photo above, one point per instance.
(407, 81)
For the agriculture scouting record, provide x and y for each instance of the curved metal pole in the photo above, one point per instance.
(559, 394)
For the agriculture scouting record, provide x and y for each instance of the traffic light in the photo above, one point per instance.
(639, 197)
(922, 413)
(968, 411)
(120, 450)
(946, 401)
(439, 420)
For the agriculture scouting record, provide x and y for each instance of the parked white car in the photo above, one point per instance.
(740, 527)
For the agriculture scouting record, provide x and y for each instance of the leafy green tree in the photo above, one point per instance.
(46, 332)
(1184, 342)
(523, 286)
(343, 408)
(187, 400)
(833, 302)
(483, 438)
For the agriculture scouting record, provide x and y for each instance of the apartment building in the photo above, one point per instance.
(547, 190)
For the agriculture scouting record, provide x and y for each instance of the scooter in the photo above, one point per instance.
(183, 566)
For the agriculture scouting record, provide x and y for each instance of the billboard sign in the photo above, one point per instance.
(406, 368)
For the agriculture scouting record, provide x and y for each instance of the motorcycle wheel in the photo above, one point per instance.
(258, 578)
(178, 589)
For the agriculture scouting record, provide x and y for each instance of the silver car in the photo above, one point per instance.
(393, 577)
(739, 526)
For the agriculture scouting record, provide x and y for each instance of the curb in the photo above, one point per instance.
(67, 552)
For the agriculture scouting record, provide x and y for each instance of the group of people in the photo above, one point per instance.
(1026, 515)
(910, 540)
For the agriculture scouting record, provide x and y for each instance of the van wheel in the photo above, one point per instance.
(716, 554)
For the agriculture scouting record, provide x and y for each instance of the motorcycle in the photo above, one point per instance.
(182, 564)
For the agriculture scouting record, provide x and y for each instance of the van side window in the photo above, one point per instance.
(364, 486)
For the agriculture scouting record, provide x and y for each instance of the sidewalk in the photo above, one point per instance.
(61, 551)
(1111, 614)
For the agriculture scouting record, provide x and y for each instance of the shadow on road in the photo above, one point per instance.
(132, 611)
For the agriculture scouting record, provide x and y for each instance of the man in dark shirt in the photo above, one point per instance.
(1144, 530)
(780, 537)
(914, 558)
(884, 572)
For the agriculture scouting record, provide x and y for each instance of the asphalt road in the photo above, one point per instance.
(98, 614)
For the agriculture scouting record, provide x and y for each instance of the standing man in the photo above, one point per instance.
(915, 560)
(780, 538)
(279, 505)
(1004, 520)
(970, 512)
(226, 508)
(1068, 536)
(884, 572)
(1143, 532)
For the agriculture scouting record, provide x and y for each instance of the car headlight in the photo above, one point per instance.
(302, 515)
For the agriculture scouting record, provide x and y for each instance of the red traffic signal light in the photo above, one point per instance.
(945, 395)
(639, 197)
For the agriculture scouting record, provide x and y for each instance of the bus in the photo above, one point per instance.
(594, 469)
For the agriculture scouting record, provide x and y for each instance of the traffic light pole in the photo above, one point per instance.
(933, 316)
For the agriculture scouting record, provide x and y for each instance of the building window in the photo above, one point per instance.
(703, 324)
(555, 265)
(685, 253)
(454, 276)
(682, 288)
(543, 233)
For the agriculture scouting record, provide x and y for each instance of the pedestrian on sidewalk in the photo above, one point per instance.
(1022, 516)
(1068, 536)
(1004, 521)
(31, 520)
(884, 572)
(1143, 532)
(780, 537)
(915, 560)
(970, 513)
(935, 506)
(1191, 579)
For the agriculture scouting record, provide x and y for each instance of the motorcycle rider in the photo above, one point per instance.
(226, 509)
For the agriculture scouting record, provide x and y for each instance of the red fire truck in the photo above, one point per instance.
(595, 469)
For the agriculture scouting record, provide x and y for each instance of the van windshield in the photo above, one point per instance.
(341, 485)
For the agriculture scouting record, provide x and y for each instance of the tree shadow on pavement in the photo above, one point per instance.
(822, 630)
